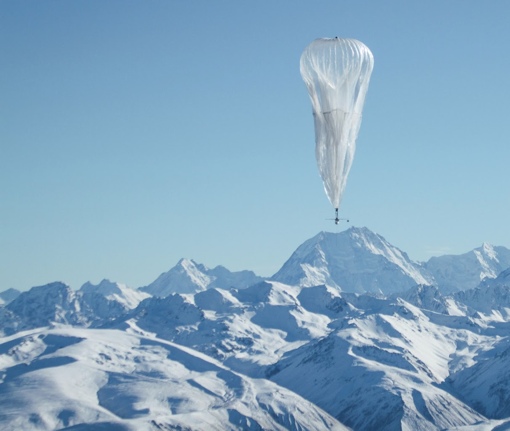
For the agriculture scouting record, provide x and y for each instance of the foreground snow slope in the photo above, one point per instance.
(84, 379)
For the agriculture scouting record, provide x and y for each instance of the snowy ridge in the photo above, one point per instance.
(57, 303)
(379, 246)
(462, 272)
(491, 297)
(117, 292)
(342, 336)
(358, 260)
(426, 297)
(103, 379)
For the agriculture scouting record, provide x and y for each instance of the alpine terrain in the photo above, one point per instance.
(350, 333)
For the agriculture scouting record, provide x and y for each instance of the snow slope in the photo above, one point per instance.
(84, 379)
(384, 371)
(246, 328)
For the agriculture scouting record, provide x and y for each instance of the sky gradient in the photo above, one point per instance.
(135, 133)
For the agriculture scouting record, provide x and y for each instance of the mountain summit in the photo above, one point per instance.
(460, 272)
(355, 260)
(189, 276)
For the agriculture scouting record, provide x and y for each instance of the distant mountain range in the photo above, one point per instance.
(356, 260)
(349, 334)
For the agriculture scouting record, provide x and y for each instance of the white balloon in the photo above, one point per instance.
(336, 73)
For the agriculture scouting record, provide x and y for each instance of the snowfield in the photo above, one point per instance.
(349, 334)
(88, 379)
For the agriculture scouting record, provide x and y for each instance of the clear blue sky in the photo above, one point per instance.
(134, 133)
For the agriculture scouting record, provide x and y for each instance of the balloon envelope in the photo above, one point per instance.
(336, 73)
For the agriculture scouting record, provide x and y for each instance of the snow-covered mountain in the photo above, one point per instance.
(486, 384)
(246, 329)
(58, 303)
(76, 379)
(381, 371)
(191, 277)
(42, 305)
(356, 260)
(371, 363)
(492, 296)
(349, 333)
(359, 260)
(113, 292)
(461, 272)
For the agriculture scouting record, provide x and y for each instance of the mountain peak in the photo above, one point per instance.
(187, 263)
(355, 260)
(462, 272)
(105, 287)
(117, 292)
(188, 276)
(488, 250)
(185, 277)
(43, 305)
